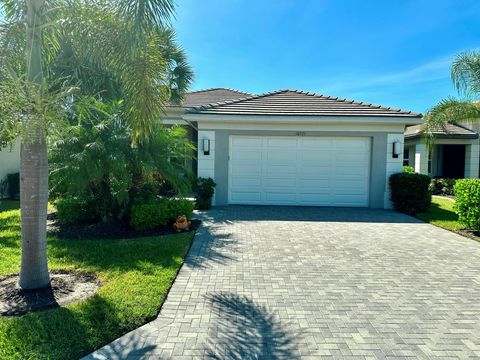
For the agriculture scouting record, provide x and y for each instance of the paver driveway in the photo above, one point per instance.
(286, 282)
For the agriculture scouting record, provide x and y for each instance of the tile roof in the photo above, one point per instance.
(294, 102)
(213, 95)
(450, 131)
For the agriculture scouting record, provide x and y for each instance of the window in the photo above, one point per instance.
(406, 157)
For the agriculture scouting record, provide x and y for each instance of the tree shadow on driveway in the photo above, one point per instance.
(247, 330)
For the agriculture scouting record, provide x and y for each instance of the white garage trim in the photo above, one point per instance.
(297, 170)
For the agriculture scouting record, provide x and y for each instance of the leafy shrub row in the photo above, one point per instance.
(442, 186)
(467, 204)
(410, 193)
(159, 212)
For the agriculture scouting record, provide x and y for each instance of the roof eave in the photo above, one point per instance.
(399, 119)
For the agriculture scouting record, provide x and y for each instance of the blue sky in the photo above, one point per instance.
(394, 53)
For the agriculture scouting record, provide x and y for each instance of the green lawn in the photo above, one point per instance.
(136, 275)
(441, 214)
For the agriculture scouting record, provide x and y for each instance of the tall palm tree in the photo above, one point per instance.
(465, 73)
(113, 50)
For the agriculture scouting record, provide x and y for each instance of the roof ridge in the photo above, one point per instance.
(355, 102)
(218, 88)
(257, 96)
(464, 127)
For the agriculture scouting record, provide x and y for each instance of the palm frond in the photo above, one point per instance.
(465, 73)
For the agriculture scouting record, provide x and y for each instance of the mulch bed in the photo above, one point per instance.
(66, 287)
(110, 230)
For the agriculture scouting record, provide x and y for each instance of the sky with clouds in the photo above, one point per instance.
(394, 53)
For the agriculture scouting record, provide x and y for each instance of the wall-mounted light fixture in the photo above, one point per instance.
(397, 149)
(206, 146)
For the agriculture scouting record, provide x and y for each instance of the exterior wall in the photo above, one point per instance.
(394, 165)
(206, 163)
(472, 161)
(9, 161)
(378, 179)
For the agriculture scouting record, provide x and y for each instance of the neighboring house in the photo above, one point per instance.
(291, 147)
(455, 153)
(9, 161)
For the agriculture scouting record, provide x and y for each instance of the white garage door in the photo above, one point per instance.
(316, 171)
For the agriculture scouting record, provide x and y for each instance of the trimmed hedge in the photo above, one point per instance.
(72, 210)
(410, 193)
(467, 204)
(442, 186)
(409, 169)
(159, 212)
(204, 188)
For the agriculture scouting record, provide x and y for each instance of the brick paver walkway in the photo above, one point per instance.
(286, 283)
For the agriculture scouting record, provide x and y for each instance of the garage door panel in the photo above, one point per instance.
(281, 143)
(322, 171)
(247, 142)
(247, 197)
(280, 197)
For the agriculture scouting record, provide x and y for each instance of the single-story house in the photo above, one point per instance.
(291, 147)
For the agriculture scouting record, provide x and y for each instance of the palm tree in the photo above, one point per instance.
(112, 50)
(465, 73)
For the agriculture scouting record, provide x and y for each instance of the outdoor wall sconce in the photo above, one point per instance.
(397, 149)
(206, 146)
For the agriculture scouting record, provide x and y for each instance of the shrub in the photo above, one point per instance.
(72, 210)
(409, 169)
(13, 185)
(204, 189)
(177, 207)
(467, 204)
(409, 192)
(442, 186)
(150, 215)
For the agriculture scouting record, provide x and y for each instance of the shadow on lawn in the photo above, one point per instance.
(438, 213)
(69, 331)
(247, 330)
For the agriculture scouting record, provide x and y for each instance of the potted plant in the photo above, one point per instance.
(204, 189)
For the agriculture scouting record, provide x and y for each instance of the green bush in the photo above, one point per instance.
(467, 204)
(410, 193)
(442, 186)
(177, 207)
(72, 210)
(409, 169)
(204, 188)
(13, 185)
(150, 215)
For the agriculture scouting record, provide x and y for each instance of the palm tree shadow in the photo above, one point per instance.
(211, 248)
(247, 330)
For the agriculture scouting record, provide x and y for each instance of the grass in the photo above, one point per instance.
(441, 214)
(136, 275)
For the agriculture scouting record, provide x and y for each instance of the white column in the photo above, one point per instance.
(421, 158)
(472, 160)
(206, 162)
(394, 165)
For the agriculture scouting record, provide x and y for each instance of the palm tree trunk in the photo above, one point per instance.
(34, 169)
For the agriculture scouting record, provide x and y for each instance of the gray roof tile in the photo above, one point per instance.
(450, 131)
(294, 102)
(207, 96)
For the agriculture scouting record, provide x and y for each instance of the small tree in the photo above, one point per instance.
(112, 50)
